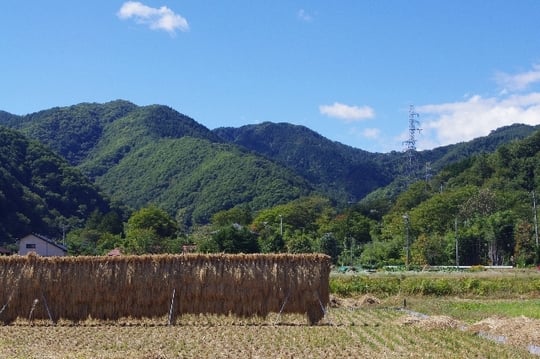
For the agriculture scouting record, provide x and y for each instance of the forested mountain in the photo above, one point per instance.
(482, 215)
(344, 173)
(194, 178)
(153, 154)
(39, 191)
(348, 174)
(98, 135)
(445, 155)
(141, 155)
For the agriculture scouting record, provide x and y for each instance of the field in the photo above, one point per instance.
(365, 331)
(360, 325)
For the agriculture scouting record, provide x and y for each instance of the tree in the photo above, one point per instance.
(429, 250)
(299, 242)
(329, 245)
(525, 248)
(151, 230)
(83, 241)
(502, 243)
(378, 253)
(270, 242)
(237, 214)
(235, 239)
(153, 218)
(109, 222)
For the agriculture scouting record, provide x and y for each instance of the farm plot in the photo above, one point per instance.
(346, 332)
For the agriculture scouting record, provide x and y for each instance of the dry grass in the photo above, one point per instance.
(109, 288)
(369, 331)
(520, 331)
(431, 322)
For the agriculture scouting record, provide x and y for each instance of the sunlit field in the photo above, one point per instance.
(482, 315)
(352, 328)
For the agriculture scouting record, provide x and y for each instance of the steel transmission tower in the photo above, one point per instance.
(410, 143)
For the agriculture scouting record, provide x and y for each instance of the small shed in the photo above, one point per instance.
(40, 245)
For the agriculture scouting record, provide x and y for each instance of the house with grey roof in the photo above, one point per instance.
(40, 245)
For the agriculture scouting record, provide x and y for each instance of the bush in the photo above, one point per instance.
(434, 285)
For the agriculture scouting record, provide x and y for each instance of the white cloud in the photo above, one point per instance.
(161, 18)
(518, 81)
(346, 112)
(476, 116)
(372, 133)
(304, 15)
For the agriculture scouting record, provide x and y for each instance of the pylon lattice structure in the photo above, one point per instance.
(410, 143)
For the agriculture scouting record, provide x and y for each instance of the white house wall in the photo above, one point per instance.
(43, 248)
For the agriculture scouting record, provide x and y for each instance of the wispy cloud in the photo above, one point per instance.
(346, 112)
(519, 81)
(304, 15)
(161, 18)
(371, 133)
(476, 116)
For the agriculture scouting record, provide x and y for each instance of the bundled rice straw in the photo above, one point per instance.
(109, 288)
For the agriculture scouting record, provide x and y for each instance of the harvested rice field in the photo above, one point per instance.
(351, 329)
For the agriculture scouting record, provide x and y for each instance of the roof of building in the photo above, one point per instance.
(48, 240)
(114, 253)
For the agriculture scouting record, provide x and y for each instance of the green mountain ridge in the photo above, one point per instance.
(141, 155)
(350, 174)
(343, 172)
(153, 154)
(193, 178)
(39, 191)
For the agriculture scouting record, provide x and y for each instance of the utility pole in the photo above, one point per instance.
(457, 252)
(407, 240)
(535, 219)
(64, 234)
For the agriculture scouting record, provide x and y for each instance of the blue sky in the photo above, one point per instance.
(346, 69)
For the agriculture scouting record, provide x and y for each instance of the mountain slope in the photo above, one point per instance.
(39, 191)
(347, 173)
(71, 131)
(445, 155)
(342, 172)
(194, 178)
(153, 154)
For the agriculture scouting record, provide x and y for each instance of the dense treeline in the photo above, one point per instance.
(39, 191)
(262, 188)
(153, 154)
(341, 172)
(482, 207)
(112, 144)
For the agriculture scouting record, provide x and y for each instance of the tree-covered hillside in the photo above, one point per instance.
(482, 214)
(194, 178)
(91, 132)
(343, 173)
(446, 155)
(348, 174)
(72, 131)
(39, 191)
(482, 207)
(153, 154)
(141, 155)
